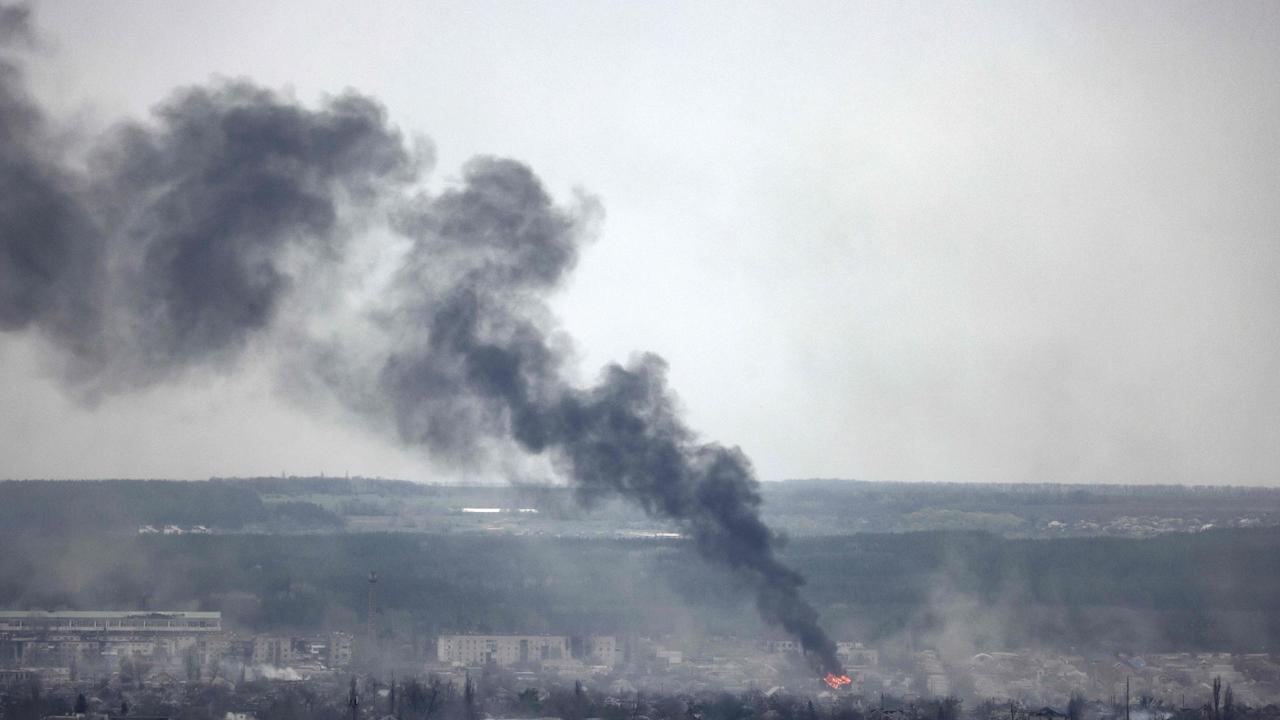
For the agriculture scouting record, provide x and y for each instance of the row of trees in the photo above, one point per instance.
(494, 694)
(1211, 591)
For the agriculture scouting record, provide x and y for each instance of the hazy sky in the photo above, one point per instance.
(896, 241)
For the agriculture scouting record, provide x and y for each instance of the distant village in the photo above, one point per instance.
(103, 661)
(540, 637)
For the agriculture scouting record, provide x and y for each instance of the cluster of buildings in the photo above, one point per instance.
(1172, 679)
(186, 646)
(1254, 678)
(1145, 526)
(634, 663)
(1030, 677)
(553, 651)
(74, 645)
(173, 530)
(333, 651)
(96, 642)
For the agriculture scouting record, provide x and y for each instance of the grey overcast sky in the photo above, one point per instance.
(895, 241)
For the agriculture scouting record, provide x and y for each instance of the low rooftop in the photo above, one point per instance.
(110, 615)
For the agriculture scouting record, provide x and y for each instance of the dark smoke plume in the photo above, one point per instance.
(178, 242)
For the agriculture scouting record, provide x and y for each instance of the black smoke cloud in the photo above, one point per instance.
(176, 243)
(42, 218)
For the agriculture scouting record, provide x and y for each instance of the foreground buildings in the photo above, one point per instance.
(185, 648)
(101, 640)
(88, 645)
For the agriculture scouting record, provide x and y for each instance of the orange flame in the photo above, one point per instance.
(837, 681)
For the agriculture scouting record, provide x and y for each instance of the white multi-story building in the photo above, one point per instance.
(672, 657)
(855, 655)
(269, 650)
(852, 654)
(599, 649)
(524, 649)
(339, 649)
(500, 649)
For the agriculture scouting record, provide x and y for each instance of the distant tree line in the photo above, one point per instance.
(1208, 591)
(123, 505)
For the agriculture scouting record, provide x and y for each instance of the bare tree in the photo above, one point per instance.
(1075, 706)
(469, 698)
(1217, 698)
(353, 701)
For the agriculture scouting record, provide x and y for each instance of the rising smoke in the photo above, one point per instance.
(175, 245)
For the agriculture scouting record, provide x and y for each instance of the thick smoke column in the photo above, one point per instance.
(179, 244)
(481, 329)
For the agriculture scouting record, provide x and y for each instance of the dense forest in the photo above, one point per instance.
(294, 553)
(122, 505)
(797, 507)
(1217, 590)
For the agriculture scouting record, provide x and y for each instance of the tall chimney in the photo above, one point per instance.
(373, 604)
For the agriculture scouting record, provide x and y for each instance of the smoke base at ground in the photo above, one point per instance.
(175, 246)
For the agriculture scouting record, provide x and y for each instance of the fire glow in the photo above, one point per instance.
(837, 681)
